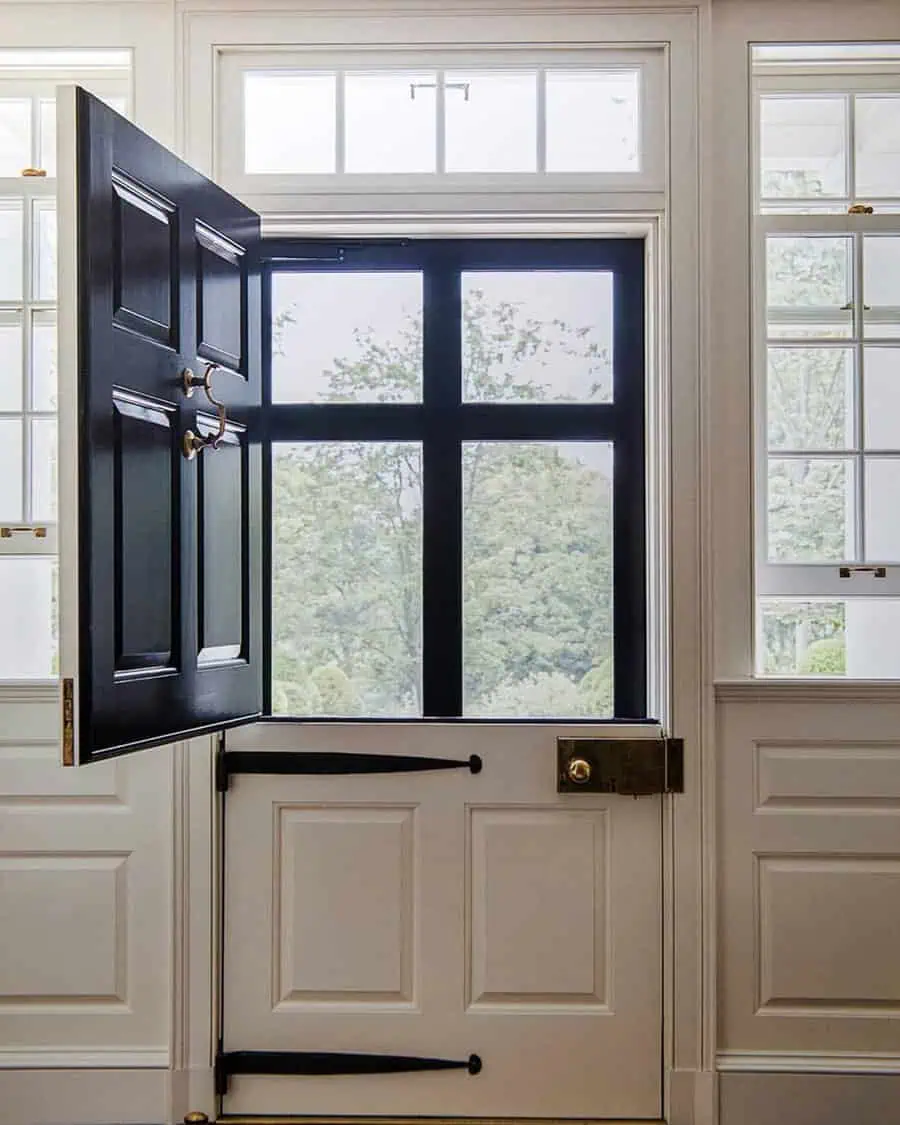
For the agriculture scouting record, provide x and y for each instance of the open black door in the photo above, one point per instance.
(160, 462)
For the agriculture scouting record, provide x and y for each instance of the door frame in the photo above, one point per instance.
(673, 692)
(677, 318)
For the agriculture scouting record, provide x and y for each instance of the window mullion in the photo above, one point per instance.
(542, 120)
(440, 124)
(442, 656)
(859, 437)
(340, 126)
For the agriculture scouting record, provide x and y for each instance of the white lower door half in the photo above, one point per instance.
(443, 915)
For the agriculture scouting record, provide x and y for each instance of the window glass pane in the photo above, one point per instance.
(10, 249)
(347, 337)
(43, 360)
(28, 618)
(803, 146)
(808, 286)
(11, 470)
(809, 398)
(10, 361)
(390, 123)
(538, 579)
(811, 509)
(491, 122)
(48, 135)
(289, 122)
(45, 250)
(347, 579)
(593, 121)
(881, 286)
(537, 336)
(43, 469)
(802, 638)
(882, 398)
(15, 135)
(856, 637)
(883, 509)
(877, 146)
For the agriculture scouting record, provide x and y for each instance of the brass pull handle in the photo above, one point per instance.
(34, 172)
(191, 443)
(579, 771)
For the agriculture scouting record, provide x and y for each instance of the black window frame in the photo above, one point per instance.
(442, 421)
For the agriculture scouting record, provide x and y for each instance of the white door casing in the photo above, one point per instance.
(442, 915)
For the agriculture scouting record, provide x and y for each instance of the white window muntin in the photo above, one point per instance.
(274, 191)
(814, 580)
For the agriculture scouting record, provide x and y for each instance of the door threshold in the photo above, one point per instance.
(247, 1119)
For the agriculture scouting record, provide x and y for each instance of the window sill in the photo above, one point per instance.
(764, 689)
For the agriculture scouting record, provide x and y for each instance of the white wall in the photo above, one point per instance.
(105, 1013)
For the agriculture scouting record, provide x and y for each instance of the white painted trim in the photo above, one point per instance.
(761, 690)
(29, 691)
(806, 1062)
(61, 1059)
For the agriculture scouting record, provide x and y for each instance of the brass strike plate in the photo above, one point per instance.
(634, 767)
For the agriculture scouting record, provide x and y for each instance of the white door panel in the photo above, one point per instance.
(442, 915)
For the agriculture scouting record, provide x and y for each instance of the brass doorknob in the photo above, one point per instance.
(579, 771)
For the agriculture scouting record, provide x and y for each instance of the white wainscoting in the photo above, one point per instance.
(809, 883)
(89, 927)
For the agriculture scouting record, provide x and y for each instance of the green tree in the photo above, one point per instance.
(347, 577)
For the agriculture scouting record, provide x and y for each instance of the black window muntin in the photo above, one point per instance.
(442, 422)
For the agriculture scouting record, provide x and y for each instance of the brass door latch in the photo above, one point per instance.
(634, 767)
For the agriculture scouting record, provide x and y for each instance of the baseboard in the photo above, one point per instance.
(809, 1099)
(691, 1098)
(84, 1097)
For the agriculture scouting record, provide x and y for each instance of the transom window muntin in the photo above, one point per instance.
(568, 440)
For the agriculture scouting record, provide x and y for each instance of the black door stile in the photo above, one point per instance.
(168, 278)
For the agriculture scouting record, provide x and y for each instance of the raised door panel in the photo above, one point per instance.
(161, 546)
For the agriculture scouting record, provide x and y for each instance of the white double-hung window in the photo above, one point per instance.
(827, 359)
(28, 453)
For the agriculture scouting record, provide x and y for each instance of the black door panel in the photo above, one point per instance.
(169, 547)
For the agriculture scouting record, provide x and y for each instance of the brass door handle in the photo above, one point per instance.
(191, 443)
(579, 771)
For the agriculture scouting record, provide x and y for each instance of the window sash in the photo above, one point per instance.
(820, 579)
(278, 193)
(442, 422)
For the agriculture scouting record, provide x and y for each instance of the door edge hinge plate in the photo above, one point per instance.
(631, 767)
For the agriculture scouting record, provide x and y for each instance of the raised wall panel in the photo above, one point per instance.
(808, 830)
(146, 634)
(222, 546)
(538, 907)
(31, 775)
(344, 907)
(221, 299)
(803, 776)
(829, 933)
(65, 930)
(144, 276)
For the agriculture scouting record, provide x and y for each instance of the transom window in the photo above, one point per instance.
(28, 453)
(456, 442)
(827, 348)
(290, 122)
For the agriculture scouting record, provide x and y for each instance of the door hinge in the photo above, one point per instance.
(68, 721)
(632, 767)
(328, 1063)
(219, 766)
